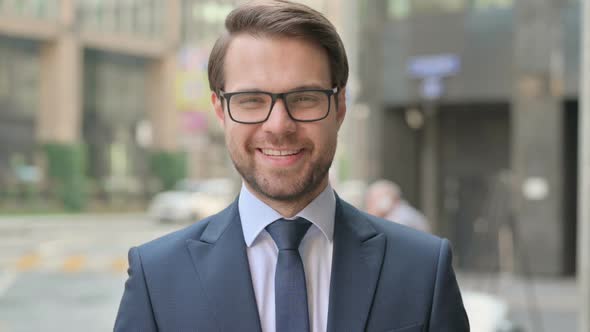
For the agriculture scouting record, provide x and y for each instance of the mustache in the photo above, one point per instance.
(280, 141)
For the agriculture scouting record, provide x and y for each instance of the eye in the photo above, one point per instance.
(305, 99)
(250, 100)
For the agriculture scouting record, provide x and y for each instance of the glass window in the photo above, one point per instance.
(430, 6)
(125, 16)
(107, 20)
(145, 18)
(19, 80)
(7, 7)
(398, 9)
(203, 20)
(51, 8)
(29, 8)
(480, 5)
(4, 77)
(26, 77)
(158, 14)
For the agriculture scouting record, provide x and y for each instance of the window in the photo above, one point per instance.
(481, 5)
(401, 9)
(24, 76)
(204, 19)
(398, 9)
(434, 6)
(131, 17)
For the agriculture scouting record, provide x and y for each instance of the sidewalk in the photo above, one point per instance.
(537, 305)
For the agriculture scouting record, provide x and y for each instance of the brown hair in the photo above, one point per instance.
(282, 18)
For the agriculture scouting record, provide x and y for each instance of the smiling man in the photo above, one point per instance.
(281, 114)
(288, 254)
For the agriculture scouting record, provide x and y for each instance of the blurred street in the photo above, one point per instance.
(66, 273)
(478, 111)
(535, 305)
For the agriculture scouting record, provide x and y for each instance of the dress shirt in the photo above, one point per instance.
(315, 249)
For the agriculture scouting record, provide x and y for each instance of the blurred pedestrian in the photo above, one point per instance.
(384, 199)
(288, 255)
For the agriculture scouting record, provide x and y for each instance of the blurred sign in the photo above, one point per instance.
(192, 83)
(28, 173)
(432, 87)
(438, 65)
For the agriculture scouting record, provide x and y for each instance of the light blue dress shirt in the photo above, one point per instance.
(315, 249)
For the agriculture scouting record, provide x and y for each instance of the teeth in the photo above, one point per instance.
(270, 152)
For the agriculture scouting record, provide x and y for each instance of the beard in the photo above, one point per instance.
(285, 185)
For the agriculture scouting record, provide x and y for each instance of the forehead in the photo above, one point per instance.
(275, 64)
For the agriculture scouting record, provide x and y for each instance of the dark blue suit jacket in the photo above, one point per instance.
(385, 277)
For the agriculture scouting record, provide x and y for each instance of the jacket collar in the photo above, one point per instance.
(221, 263)
(356, 265)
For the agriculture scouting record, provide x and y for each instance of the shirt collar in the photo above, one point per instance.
(256, 215)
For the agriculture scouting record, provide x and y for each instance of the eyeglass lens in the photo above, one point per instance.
(302, 105)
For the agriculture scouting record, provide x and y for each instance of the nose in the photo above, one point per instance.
(279, 121)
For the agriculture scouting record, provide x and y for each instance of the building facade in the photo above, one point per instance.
(107, 101)
(476, 106)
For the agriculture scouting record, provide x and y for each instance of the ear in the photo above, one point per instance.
(341, 110)
(218, 107)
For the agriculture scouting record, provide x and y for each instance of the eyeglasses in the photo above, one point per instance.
(250, 107)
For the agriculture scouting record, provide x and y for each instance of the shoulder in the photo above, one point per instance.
(404, 237)
(173, 245)
(170, 245)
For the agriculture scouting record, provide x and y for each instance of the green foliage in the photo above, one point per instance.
(66, 167)
(168, 167)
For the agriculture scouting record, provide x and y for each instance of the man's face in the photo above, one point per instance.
(280, 159)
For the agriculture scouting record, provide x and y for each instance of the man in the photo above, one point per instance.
(384, 199)
(288, 254)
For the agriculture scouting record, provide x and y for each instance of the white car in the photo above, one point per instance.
(192, 200)
(487, 313)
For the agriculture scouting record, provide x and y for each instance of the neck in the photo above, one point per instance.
(289, 208)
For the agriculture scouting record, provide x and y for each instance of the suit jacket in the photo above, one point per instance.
(385, 277)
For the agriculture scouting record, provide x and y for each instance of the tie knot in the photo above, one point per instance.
(288, 234)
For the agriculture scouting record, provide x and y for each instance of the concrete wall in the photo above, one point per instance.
(526, 58)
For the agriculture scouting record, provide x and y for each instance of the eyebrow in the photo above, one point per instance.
(311, 86)
(300, 87)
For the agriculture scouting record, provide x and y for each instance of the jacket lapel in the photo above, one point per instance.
(356, 265)
(221, 263)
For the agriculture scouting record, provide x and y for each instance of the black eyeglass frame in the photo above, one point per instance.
(274, 96)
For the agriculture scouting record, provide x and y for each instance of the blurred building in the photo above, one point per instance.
(108, 100)
(87, 88)
(114, 90)
(473, 108)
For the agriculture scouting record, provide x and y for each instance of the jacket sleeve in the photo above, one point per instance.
(448, 312)
(135, 311)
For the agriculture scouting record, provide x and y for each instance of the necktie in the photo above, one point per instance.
(290, 290)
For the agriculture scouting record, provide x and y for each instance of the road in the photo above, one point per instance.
(66, 273)
(534, 304)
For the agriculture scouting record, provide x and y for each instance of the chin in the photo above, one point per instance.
(287, 188)
(283, 190)
(285, 185)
